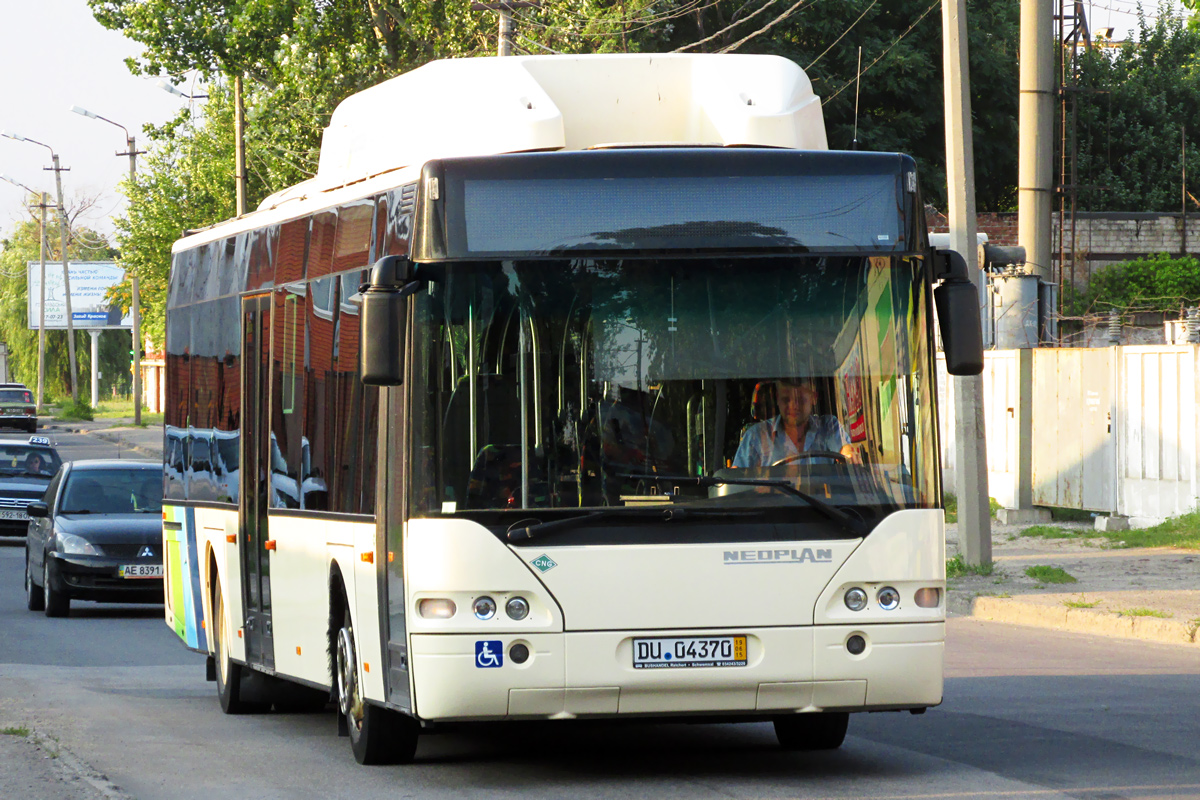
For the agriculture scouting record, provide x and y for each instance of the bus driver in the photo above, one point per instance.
(794, 431)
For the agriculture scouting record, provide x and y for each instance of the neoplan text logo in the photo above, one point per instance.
(807, 555)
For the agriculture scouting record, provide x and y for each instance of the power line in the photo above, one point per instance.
(730, 26)
(932, 6)
(838, 39)
(765, 28)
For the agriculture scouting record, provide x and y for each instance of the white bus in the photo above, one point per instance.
(569, 387)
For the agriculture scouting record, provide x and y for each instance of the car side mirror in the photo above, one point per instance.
(38, 509)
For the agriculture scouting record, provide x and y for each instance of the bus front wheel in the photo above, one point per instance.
(377, 735)
(824, 731)
(229, 673)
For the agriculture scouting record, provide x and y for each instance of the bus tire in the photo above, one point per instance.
(377, 735)
(35, 598)
(823, 731)
(229, 673)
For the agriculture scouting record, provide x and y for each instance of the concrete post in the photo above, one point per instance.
(95, 367)
(974, 516)
(1035, 167)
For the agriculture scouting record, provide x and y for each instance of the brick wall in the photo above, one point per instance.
(1100, 238)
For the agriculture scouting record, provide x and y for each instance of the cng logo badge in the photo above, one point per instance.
(544, 563)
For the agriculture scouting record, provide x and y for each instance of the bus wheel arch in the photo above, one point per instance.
(230, 674)
(377, 735)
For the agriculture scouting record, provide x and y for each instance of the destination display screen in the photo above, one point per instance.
(718, 204)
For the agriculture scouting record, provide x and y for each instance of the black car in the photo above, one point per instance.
(26, 466)
(97, 535)
(17, 408)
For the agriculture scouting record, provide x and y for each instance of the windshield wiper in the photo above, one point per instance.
(533, 529)
(827, 510)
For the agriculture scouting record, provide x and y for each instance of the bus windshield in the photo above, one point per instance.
(592, 383)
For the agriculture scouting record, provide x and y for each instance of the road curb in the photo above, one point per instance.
(1083, 620)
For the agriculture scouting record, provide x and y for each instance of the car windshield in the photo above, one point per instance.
(15, 396)
(22, 459)
(112, 491)
(593, 383)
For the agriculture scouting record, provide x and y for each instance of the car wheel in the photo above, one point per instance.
(824, 731)
(58, 604)
(229, 673)
(377, 735)
(35, 598)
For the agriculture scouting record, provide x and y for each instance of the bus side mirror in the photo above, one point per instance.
(384, 321)
(957, 302)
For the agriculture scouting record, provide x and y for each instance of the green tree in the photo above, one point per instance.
(1140, 99)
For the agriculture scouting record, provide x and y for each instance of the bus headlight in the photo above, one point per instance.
(856, 599)
(436, 608)
(485, 607)
(888, 598)
(517, 608)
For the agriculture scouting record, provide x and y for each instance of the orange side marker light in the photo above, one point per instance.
(269, 544)
(368, 557)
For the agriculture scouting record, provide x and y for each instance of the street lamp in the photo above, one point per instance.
(62, 222)
(167, 86)
(41, 368)
(132, 152)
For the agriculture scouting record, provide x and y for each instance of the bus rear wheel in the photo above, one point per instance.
(824, 731)
(377, 735)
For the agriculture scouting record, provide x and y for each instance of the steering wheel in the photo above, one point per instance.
(838, 457)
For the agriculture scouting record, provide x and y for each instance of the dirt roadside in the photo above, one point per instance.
(1144, 593)
(34, 767)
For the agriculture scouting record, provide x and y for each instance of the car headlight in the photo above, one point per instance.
(72, 545)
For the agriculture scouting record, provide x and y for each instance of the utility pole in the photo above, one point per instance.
(62, 223)
(507, 31)
(42, 307)
(1035, 170)
(974, 516)
(239, 145)
(135, 303)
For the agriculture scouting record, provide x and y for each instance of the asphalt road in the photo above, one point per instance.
(1029, 713)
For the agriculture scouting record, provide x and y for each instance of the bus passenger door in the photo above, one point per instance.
(255, 479)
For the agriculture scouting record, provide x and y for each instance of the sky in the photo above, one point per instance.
(54, 55)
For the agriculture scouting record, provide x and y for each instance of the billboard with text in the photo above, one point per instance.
(90, 282)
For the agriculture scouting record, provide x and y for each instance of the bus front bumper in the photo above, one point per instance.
(591, 674)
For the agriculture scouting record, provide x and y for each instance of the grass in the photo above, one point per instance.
(1181, 531)
(74, 412)
(957, 568)
(950, 503)
(122, 408)
(15, 730)
(1046, 574)
(1081, 603)
(1144, 612)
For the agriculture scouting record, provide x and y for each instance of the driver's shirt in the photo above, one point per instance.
(767, 442)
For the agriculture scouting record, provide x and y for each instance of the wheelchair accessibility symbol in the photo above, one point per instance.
(489, 654)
